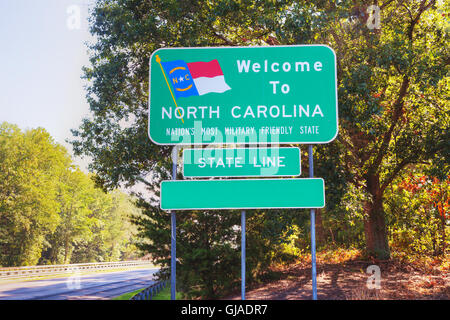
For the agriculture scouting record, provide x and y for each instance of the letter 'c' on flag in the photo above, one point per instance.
(195, 78)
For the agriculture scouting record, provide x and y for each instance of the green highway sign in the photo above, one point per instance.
(229, 95)
(241, 162)
(242, 194)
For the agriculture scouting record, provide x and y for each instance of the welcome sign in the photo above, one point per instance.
(229, 95)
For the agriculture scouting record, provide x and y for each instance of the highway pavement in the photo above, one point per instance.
(98, 286)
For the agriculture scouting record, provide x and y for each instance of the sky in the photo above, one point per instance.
(42, 53)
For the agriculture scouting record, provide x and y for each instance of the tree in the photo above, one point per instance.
(76, 196)
(30, 164)
(94, 226)
(392, 90)
(48, 206)
(113, 233)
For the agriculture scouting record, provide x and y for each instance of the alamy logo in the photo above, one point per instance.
(73, 282)
(374, 280)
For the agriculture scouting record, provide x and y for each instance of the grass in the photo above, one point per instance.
(128, 295)
(165, 295)
(162, 295)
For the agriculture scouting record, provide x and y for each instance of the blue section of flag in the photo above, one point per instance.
(180, 78)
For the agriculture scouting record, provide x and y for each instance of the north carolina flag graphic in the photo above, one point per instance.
(195, 78)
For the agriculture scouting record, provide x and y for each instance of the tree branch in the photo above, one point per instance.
(394, 173)
(386, 3)
(422, 8)
(144, 181)
(398, 105)
(223, 38)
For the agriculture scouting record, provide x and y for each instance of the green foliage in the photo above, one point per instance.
(95, 226)
(207, 248)
(75, 194)
(208, 251)
(30, 164)
(346, 223)
(418, 210)
(392, 105)
(51, 212)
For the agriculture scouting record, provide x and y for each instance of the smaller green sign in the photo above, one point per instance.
(241, 162)
(242, 194)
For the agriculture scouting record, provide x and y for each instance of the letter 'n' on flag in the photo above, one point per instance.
(195, 78)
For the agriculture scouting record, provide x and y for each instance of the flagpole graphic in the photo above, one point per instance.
(158, 59)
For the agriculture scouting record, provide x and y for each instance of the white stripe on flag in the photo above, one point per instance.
(206, 85)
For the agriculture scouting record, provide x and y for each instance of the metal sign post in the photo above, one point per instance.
(243, 255)
(313, 228)
(173, 247)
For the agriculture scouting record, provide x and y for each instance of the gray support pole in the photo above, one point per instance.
(243, 255)
(313, 228)
(173, 222)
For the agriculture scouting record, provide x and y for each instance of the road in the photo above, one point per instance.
(98, 286)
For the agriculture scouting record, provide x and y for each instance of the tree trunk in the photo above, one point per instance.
(442, 217)
(66, 251)
(320, 234)
(375, 223)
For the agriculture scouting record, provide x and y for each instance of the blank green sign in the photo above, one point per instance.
(241, 162)
(242, 194)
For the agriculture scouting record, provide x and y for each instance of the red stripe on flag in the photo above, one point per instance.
(205, 69)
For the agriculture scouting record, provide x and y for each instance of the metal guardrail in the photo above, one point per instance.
(149, 292)
(33, 271)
